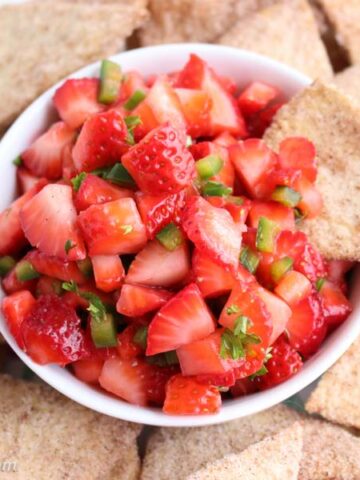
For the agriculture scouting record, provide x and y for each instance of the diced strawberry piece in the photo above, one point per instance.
(55, 267)
(155, 266)
(246, 297)
(196, 106)
(88, 370)
(27, 180)
(48, 285)
(135, 300)
(52, 332)
(127, 349)
(49, 222)
(212, 279)
(337, 270)
(132, 82)
(259, 122)
(298, 153)
(227, 379)
(164, 106)
(109, 272)
(228, 83)
(279, 311)
(160, 163)
(213, 231)
(311, 202)
(12, 237)
(283, 364)
(306, 327)
(310, 263)
(113, 228)
(186, 396)
(158, 210)
(254, 162)
(224, 114)
(243, 386)
(135, 381)
(12, 284)
(44, 158)
(293, 287)
(238, 207)
(183, 319)
(94, 191)
(102, 141)
(68, 167)
(76, 100)
(225, 139)
(255, 97)
(15, 308)
(283, 216)
(335, 306)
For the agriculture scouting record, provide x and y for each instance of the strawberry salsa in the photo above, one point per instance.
(154, 247)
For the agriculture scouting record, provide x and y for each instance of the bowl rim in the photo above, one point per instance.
(105, 403)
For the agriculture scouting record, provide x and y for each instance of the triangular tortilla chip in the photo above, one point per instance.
(42, 41)
(275, 458)
(344, 16)
(187, 21)
(287, 32)
(178, 452)
(337, 395)
(331, 121)
(51, 437)
(349, 81)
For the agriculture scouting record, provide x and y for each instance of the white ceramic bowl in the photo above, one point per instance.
(244, 67)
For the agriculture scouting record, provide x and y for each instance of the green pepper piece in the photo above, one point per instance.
(17, 161)
(137, 97)
(140, 337)
(85, 267)
(170, 237)
(280, 267)
(286, 196)
(216, 189)
(25, 271)
(110, 81)
(6, 264)
(249, 259)
(119, 175)
(265, 236)
(209, 166)
(103, 333)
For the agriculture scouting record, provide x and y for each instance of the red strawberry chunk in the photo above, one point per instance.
(102, 141)
(335, 306)
(15, 308)
(311, 202)
(94, 191)
(186, 396)
(293, 287)
(211, 278)
(155, 266)
(160, 163)
(12, 284)
(238, 207)
(127, 349)
(132, 82)
(254, 162)
(135, 300)
(88, 370)
(224, 114)
(213, 231)
(52, 332)
(283, 216)
(280, 312)
(196, 106)
(183, 319)
(113, 228)
(55, 267)
(298, 153)
(44, 158)
(256, 96)
(283, 364)
(227, 172)
(158, 210)
(160, 105)
(49, 222)
(109, 272)
(27, 180)
(76, 100)
(310, 263)
(12, 237)
(306, 327)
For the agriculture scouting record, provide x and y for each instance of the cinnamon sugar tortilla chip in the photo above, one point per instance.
(331, 121)
(285, 31)
(42, 41)
(51, 437)
(337, 395)
(344, 17)
(275, 458)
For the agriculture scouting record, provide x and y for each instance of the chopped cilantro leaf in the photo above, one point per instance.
(77, 181)
(69, 245)
(232, 309)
